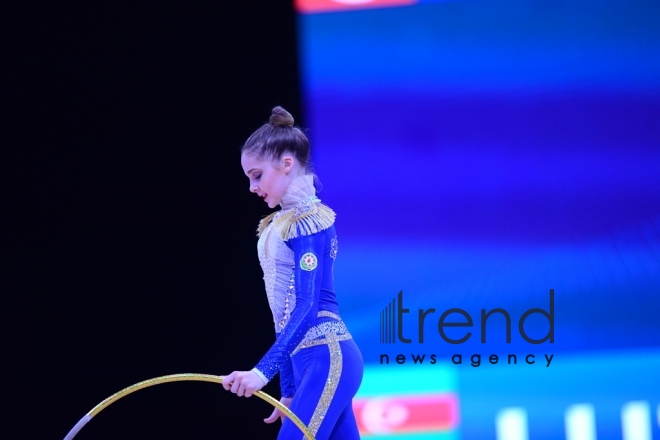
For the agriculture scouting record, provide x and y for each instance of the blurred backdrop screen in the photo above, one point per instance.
(496, 166)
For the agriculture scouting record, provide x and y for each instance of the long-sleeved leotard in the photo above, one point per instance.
(313, 285)
(297, 249)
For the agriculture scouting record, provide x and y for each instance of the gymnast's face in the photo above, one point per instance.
(269, 178)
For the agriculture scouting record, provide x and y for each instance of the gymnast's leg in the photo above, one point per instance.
(327, 377)
(346, 426)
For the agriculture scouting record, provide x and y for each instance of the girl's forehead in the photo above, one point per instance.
(252, 161)
(249, 158)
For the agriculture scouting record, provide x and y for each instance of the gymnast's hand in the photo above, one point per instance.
(277, 414)
(243, 383)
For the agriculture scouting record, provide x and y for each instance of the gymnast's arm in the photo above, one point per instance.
(308, 259)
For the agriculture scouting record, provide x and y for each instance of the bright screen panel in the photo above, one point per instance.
(495, 169)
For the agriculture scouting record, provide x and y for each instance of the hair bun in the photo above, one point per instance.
(281, 118)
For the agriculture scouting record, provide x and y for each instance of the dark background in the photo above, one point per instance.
(130, 247)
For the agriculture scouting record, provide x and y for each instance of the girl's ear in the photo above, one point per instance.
(287, 163)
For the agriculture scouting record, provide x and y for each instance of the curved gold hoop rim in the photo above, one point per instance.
(177, 378)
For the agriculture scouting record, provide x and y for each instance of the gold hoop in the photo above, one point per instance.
(176, 378)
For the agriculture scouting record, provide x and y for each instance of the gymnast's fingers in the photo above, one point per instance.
(235, 385)
(242, 387)
(228, 380)
(277, 414)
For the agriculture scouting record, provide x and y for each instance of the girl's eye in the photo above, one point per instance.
(257, 177)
